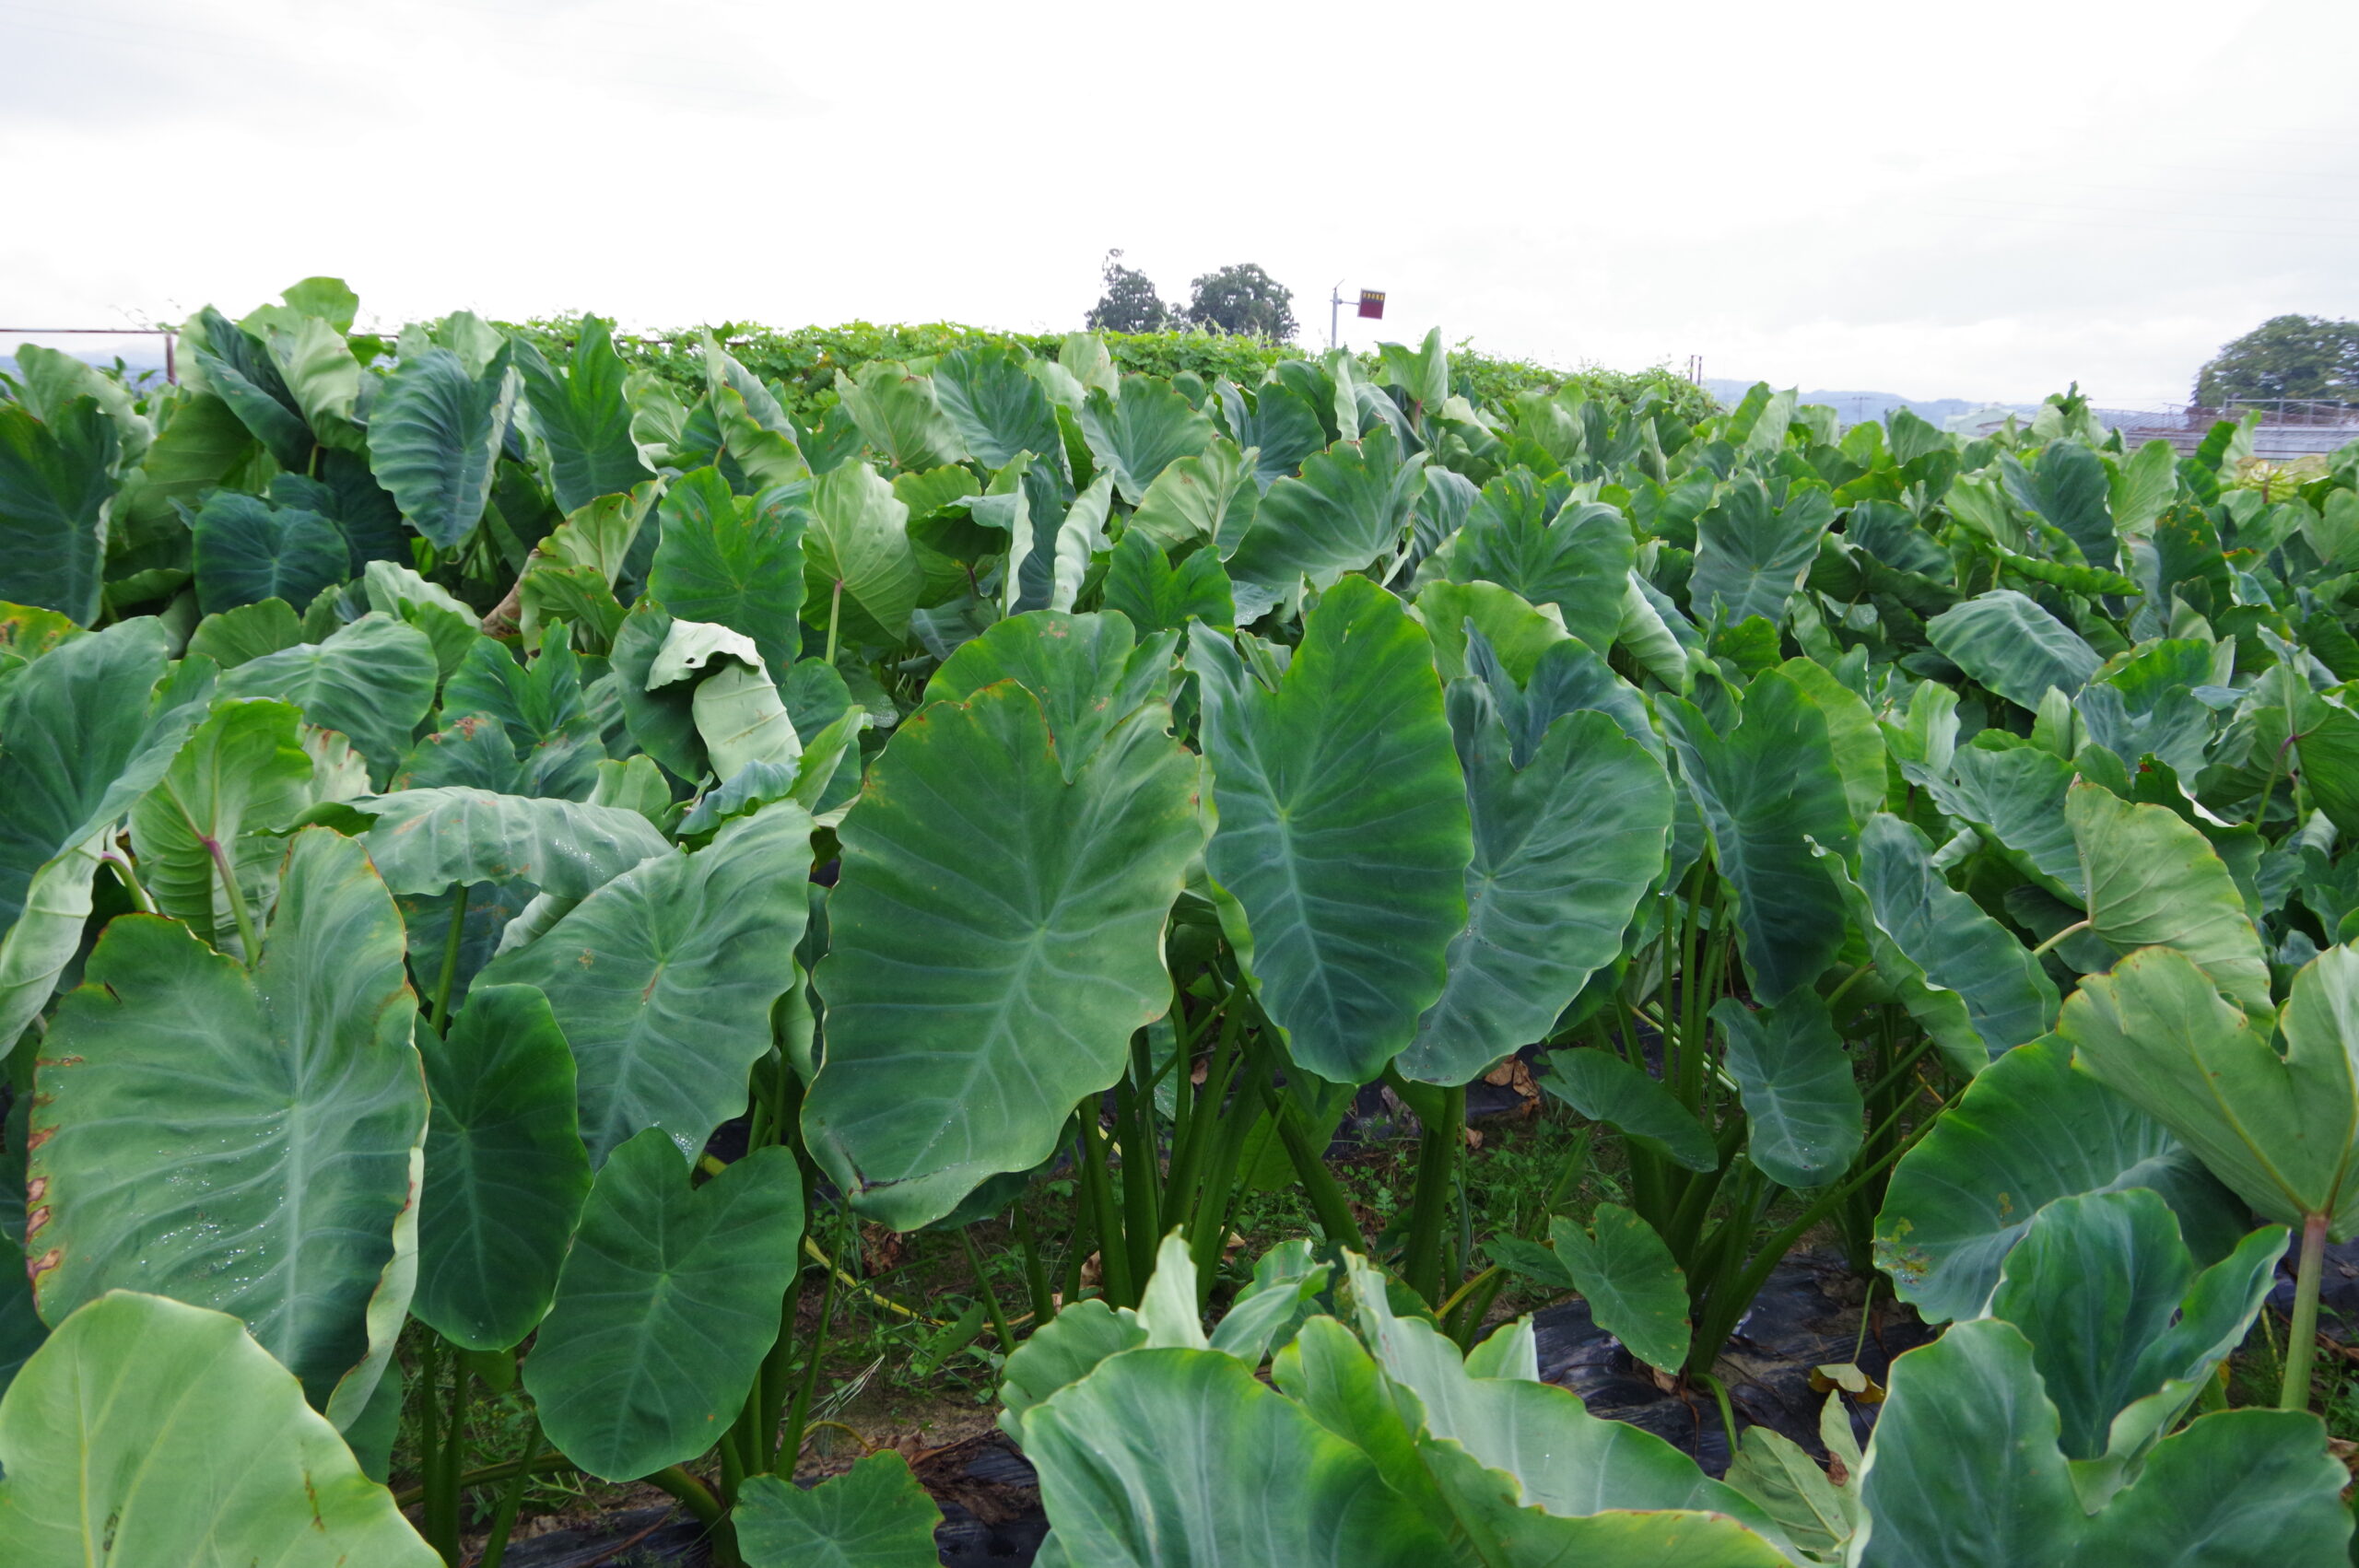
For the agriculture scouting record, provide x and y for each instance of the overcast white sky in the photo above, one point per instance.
(1935, 200)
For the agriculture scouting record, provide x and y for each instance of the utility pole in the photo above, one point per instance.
(1370, 306)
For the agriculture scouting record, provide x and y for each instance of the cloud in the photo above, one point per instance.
(1922, 200)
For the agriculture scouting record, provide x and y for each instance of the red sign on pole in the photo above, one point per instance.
(1372, 304)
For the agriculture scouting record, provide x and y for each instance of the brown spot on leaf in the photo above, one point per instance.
(35, 1219)
(35, 1269)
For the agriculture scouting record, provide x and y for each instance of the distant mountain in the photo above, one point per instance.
(1856, 408)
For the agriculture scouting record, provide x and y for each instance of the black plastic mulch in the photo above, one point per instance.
(1807, 1316)
(991, 1518)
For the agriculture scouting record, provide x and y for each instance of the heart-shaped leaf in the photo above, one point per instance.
(297, 1079)
(2282, 1129)
(664, 978)
(1634, 1288)
(148, 1431)
(91, 725)
(667, 1303)
(506, 1173)
(2029, 1130)
(582, 416)
(998, 1005)
(56, 480)
(1802, 1105)
(434, 439)
(1342, 837)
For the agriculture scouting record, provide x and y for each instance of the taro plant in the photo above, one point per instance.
(505, 848)
(2041, 1433)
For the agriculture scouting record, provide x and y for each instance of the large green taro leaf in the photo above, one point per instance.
(1541, 1449)
(1577, 560)
(1769, 790)
(2014, 646)
(2028, 1130)
(241, 777)
(1142, 584)
(1751, 555)
(1802, 1105)
(1564, 848)
(371, 681)
(148, 1431)
(1279, 427)
(297, 1085)
(1558, 676)
(246, 633)
(2154, 881)
(859, 537)
(900, 416)
(734, 562)
(86, 730)
(1343, 835)
(2117, 1312)
(997, 407)
(1853, 734)
(1209, 499)
(1089, 672)
(235, 367)
(1178, 1459)
(2015, 796)
(424, 840)
(874, 1515)
(582, 417)
(51, 378)
(2327, 751)
(1962, 976)
(2069, 489)
(1965, 1471)
(1060, 1353)
(1349, 510)
(1604, 1088)
(538, 701)
(667, 1303)
(995, 941)
(664, 978)
(1142, 429)
(505, 1169)
(55, 479)
(246, 550)
(2281, 1128)
(322, 377)
(199, 441)
(1635, 1290)
(434, 439)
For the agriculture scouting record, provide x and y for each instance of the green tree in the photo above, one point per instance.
(1130, 302)
(2296, 356)
(1242, 298)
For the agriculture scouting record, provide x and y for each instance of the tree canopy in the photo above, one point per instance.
(1242, 298)
(2285, 356)
(1130, 302)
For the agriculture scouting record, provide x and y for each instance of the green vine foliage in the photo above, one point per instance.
(801, 362)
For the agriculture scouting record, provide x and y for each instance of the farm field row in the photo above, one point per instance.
(526, 871)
